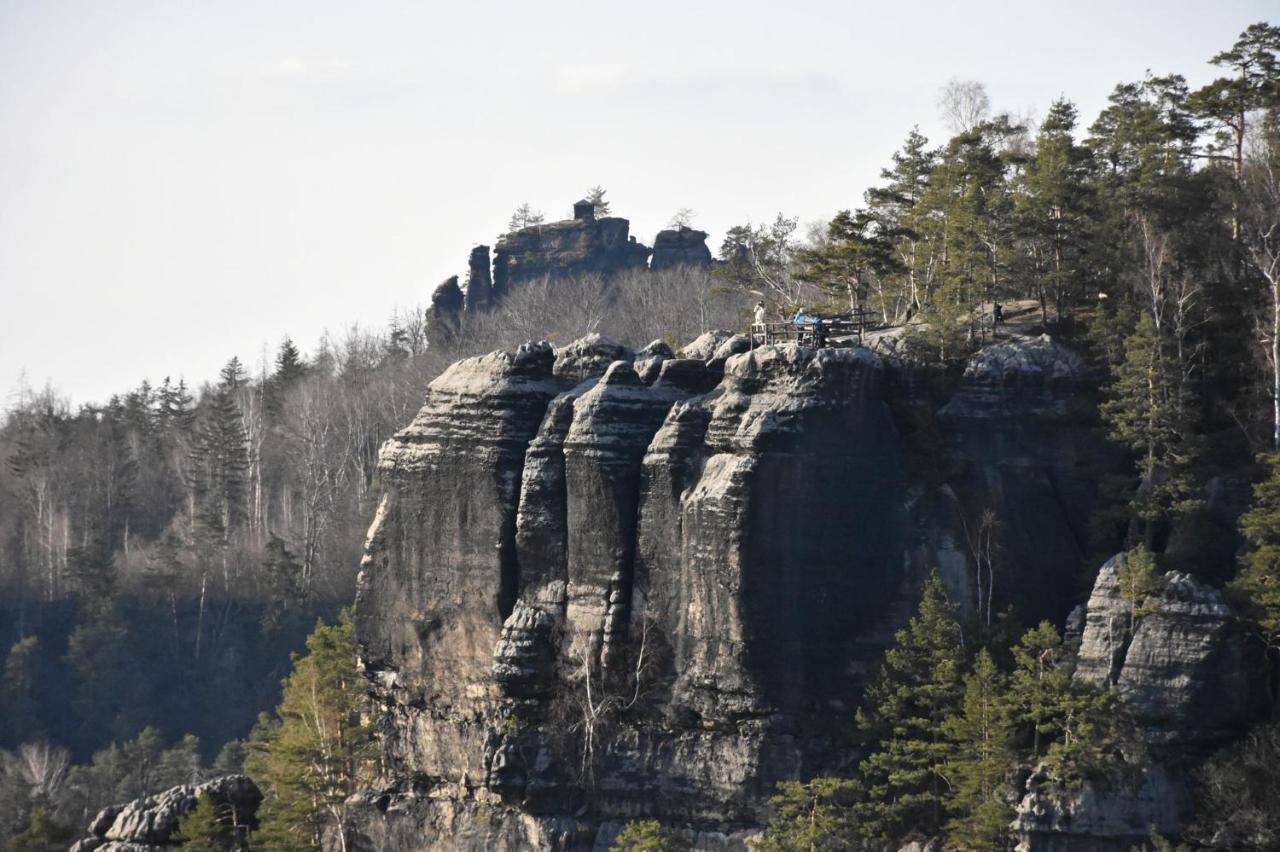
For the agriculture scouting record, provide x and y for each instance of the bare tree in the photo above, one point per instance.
(682, 218)
(963, 104)
(1260, 227)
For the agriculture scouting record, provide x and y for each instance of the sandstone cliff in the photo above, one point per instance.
(603, 585)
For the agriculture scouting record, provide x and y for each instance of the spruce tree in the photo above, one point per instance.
(979, 773)
(916, 690)
(220, 463)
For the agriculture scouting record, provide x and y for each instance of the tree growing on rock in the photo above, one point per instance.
(596, 196)
(209, 827)
(525, 217)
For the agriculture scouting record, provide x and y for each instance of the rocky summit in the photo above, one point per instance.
(605, 585)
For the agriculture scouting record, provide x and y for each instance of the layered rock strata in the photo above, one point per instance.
(605, 585)
(585, 591)
(1175, 659)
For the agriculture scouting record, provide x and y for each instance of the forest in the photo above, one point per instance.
(164, 553)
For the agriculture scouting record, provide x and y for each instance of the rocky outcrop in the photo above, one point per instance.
(1115, 815)
(680, 247)
(605, 585)
(1175, 660)
(479, 291)
(1180, 669)
(447, 301)
(150, 824)
(578, 246)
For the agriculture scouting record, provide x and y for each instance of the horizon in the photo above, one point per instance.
(183, 186)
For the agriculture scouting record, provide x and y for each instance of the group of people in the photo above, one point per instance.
(808, 325)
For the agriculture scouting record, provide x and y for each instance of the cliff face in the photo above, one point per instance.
(604, 586)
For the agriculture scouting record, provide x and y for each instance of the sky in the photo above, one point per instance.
(184, 181)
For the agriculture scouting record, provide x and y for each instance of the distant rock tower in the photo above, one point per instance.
(479, 290)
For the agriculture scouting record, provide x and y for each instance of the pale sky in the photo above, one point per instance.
(185, 181)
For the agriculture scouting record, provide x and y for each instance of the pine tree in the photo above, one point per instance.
(17, 691)
(1149, 413)
(895, 206)
(1052, 210)
(979, 774)
(646, 836)
(1228, 102)
(596, 196)
(312, 757)
(524, 217)
(1138, 579)
(1075, 728)
(818, 815)
(210, 827)
(916, 690)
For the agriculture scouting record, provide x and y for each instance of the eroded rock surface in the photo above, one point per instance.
(151, 823)
(1175, 660)
(606, 585)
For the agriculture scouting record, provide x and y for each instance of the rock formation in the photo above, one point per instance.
(578, 246)
(680, 247)
(149, 824)
(479, 291)
(604, 585)
(581, 245)
(447, 301)
(1179, 673)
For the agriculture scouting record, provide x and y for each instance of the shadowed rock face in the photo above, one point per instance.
(571, 247)
(680, 247)
(604, 585)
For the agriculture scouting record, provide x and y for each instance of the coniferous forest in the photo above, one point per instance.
(166, 555)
